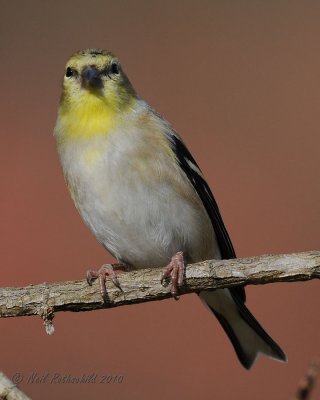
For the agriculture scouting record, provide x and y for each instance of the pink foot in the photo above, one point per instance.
(175, 269)
(107, 270)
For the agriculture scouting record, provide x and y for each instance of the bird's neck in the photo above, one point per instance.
(88, 117)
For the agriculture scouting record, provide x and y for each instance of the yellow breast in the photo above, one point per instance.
(90, 116)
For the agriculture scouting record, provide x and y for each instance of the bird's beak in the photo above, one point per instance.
(91, 78)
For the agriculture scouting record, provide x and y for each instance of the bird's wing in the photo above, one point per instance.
(194, 174)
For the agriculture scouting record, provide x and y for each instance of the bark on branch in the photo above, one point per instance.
(308, 382)
(144, 285)
(9, 391)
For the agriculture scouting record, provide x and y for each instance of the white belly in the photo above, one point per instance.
(132, 207)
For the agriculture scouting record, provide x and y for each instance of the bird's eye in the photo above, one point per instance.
(70, 72)
(114, 68)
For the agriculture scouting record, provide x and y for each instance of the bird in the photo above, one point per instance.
(142, 194)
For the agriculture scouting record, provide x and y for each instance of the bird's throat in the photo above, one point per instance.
(88, 118)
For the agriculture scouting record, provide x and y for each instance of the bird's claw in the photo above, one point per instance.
(107, 270)
(175, 269)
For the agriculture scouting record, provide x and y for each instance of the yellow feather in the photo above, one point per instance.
(85, 112)
(90, 116)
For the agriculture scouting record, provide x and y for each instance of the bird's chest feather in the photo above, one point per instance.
(104, 178)
(138, 204)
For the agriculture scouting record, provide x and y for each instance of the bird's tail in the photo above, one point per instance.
(246, 334)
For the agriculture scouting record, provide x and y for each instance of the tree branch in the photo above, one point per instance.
(144, 285)
(9, 391)
(308, 382)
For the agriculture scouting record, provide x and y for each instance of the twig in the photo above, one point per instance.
(308, 381)
(9, 391)
(144, 285)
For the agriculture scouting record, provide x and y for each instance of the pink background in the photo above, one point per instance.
(240, 81)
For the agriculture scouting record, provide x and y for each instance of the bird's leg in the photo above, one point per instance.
(175, 269)
(107, 270)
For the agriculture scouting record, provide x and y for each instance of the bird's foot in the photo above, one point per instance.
(175, 269)
(107, 270)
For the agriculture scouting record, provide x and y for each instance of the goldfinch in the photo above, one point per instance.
(140, 191)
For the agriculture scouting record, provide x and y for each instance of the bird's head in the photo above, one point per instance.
(95, 92)
(96, 72)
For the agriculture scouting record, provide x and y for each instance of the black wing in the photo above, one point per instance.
(186, 161)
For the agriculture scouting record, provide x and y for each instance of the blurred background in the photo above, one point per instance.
(240, 81)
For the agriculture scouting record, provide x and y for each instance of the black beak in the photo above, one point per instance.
(91, 78)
